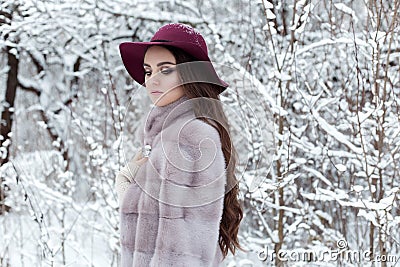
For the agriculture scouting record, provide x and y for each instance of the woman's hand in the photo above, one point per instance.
(130, 170)
(126, 176)
(139, 159)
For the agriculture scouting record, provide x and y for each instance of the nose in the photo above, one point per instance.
(153, 80)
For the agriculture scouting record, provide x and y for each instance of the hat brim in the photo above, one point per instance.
(132, 54)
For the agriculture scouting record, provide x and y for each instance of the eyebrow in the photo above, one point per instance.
(159, 64)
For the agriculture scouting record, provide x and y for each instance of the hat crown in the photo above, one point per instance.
(178, 32)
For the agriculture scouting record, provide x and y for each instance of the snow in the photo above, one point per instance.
(91, 251)
(270, 15)
(336, 134)
(364, 204)
(340, 167)
(325, 42)
(369, 215)
(357, 188)
(318, 175)
(347, 10)
(324, 215)
(267, 4)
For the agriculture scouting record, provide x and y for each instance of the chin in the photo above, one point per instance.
(160, 100)
(156, 101)
(160, 103)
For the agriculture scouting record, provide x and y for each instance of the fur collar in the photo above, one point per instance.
(159, 118)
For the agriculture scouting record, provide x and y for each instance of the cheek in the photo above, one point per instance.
(171, 81)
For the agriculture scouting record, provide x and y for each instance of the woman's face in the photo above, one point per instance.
(161, 77)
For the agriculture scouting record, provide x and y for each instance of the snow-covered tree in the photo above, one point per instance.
(319, 77)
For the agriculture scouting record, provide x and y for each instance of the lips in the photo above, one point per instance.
(156, 92)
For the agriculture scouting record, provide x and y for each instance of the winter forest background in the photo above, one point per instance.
(320, 76)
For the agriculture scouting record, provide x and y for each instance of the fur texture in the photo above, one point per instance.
(170, 214)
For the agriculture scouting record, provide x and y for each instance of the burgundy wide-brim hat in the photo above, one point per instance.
(175, 34)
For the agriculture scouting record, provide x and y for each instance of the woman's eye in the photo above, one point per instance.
(147, 73)
(167, 70)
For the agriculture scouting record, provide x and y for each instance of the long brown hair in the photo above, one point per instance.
(194, 86)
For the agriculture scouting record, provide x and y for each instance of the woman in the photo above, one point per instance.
(178, 195)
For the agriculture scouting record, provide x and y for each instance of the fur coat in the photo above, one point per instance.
(170, 214)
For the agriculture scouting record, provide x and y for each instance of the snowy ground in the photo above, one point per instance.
(84, 246)
(21, 244)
